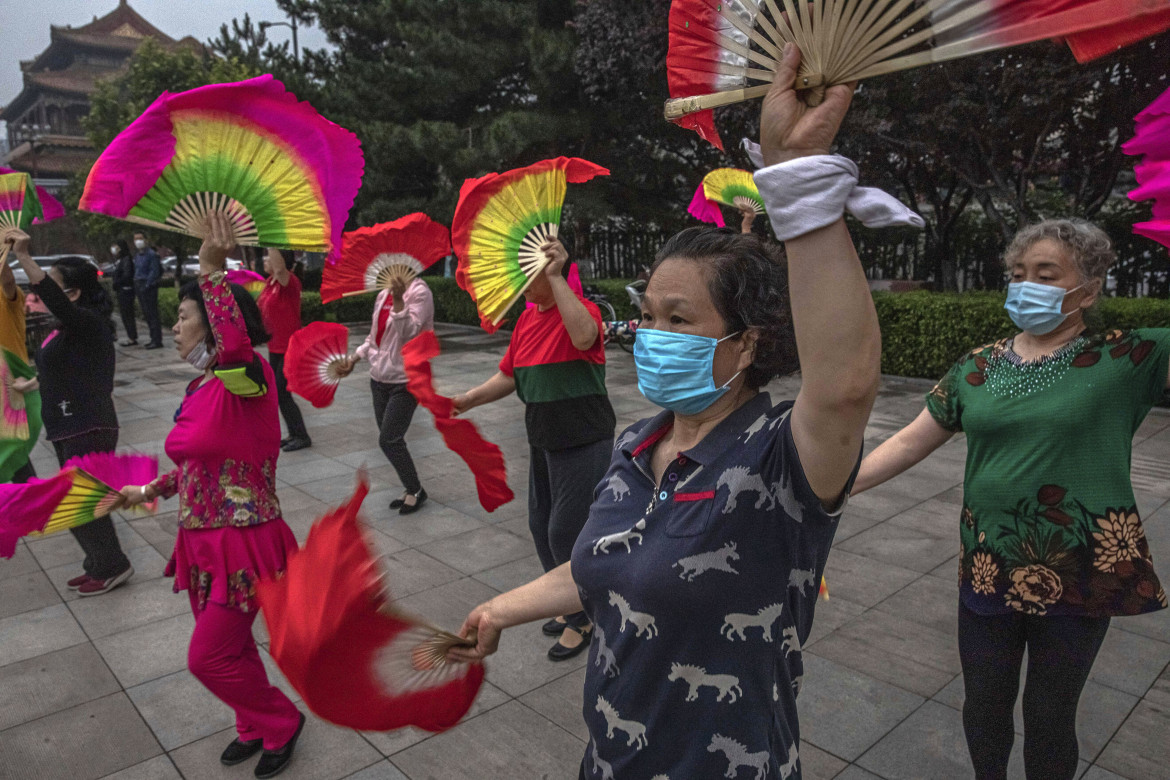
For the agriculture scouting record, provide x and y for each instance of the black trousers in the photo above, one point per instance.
(126, 309)
(393, 409)
(1061, 651)
(288, 405)
(103, 553)
(148, 300)
(24, 473)
(560, 492)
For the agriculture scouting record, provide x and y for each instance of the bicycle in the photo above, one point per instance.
(614, 331)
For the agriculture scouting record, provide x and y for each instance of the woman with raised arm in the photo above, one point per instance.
(75, 369)
(1051, 546)
(224, 445)
(280, 305)
(700, 561)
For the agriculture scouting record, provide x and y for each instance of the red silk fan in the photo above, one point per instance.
(483, 458)
(726, 51)
(354, 660)
(372, 257)
(312, 361)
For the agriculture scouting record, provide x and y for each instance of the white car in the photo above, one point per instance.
(191, 266)
(45, 262)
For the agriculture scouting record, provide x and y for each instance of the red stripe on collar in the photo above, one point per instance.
(653, 439)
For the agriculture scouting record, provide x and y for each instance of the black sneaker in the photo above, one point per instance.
(153, 345)
(273, 762)
(299, 443)
(240, 751)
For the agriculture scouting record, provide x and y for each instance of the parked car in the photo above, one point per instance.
(190, 267)
(45, 262)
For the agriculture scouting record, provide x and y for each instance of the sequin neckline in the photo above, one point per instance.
(1010, 376)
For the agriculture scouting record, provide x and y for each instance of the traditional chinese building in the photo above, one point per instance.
(45, 135)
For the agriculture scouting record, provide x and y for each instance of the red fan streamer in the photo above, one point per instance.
(344, 649)
(484, 458)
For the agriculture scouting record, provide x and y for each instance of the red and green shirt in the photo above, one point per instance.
(562, 387)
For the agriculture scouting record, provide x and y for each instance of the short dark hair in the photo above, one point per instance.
(748, 283)
(253, 322)
(79, 274)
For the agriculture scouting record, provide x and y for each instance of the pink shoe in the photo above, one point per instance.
(98, 587)
(77, 582)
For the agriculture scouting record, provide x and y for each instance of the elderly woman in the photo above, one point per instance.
(1051, 545)
(224, 445)
(700, 560)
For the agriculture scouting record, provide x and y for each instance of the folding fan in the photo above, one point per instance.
(249, 280)
(372, 257)
(500, 223)
(18, 201)
(355, 660)
(50, 206)
(726, 51)
(312, 361)
(27, 507)
(705, 210)
(733, 187)
(284, 175)
(1152, 140)
(485, 459)
(20, 415)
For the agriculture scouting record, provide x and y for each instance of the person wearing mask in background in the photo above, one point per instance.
(124, 289)
(75, 366)
(147, 272)
(280, 306)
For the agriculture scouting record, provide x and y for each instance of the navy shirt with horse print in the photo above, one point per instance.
(701, 590)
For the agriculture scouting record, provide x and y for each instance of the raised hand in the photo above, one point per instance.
(557, 257)
(788, 127)
(217, 244)
(17, 239)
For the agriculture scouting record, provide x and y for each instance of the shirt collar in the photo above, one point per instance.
(717, 441)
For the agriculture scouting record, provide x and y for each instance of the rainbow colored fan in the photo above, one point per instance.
(733, 187)
(284, 175)
(249, 280)
(50, 206)
(20, 415)
(19, 205)
(500, 223)
(372, 257)
(726, 51)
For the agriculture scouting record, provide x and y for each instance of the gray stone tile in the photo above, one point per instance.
(512, 575)
(179, 710)
(508, 742)
(437, 522)
(816, 764)
(313, 471)
(157, 768)
(1140, 748)
(26, 592)
(854, 772)
(410, 571)
(863, 580)
(390, 742)
(478, 550)
(929, 743)
(383, 770)
(22, 562)
(1130, 662)
(61, 548)
(831, 615)
(79, 743)
(147, 562)
(901, 546)
(129, 606)
(929, 601)
(148, 652)
(51, 682)
(846, 712)
(448, 605)
(30, 634)
(562, 701)
(1100, 712)
(323, 752)
(1097, 773)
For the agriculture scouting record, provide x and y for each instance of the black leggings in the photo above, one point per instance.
(1061, 651)
(288, 406)
(393, 409)
(103, 553)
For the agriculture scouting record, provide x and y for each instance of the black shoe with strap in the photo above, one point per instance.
(273, 762)
(559, 652)
(240, 751)
(420, 498)
(553, 627)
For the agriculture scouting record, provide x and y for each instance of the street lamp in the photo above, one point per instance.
(293, 26)
(34, 134)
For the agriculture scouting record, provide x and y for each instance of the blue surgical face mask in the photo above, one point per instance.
(1036, 308)
(675, 370)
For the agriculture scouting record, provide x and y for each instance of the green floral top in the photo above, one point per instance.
(1049, 524)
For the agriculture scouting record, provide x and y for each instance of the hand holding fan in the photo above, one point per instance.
(500, 223)
(372, 257)
(314, 359)
(249, 280)
(355, 660)
(284, 175)
(51, 208)
(18, 205)
(726, 51)
(1152, 140)
(20, 415)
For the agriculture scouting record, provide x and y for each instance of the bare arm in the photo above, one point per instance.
(19, 241)
(550, 595)
(280, 271)
(901, 451)
(837, 334)
(7, 281)
(494, 389)
(582, 328)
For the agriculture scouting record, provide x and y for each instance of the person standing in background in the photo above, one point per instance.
(280, 306)
(124, 289)
(147, 272)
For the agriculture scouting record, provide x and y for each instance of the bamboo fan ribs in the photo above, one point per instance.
(726, 51)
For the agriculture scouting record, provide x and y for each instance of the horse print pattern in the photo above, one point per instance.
(716, 560)
(801, 579)
(696, 677)
(790, 642)
(602, 544)
(605, 657)
(639, 620)
(739, 480)
(599, 766)
(613, 721)
(737, 755)
(618, 487)
(736, 624)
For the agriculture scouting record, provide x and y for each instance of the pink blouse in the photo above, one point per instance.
(225, 445)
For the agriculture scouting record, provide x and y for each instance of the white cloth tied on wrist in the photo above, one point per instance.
(810, 193)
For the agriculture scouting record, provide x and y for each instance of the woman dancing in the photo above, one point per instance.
(700, 560)
(1051, 546)
(225, 444)
(280, 305)
(75, 368)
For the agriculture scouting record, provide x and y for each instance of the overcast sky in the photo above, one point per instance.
(24, 25)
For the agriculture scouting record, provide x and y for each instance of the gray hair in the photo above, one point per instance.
(1088, 245)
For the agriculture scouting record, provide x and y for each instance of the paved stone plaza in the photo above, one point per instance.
(98, 687)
